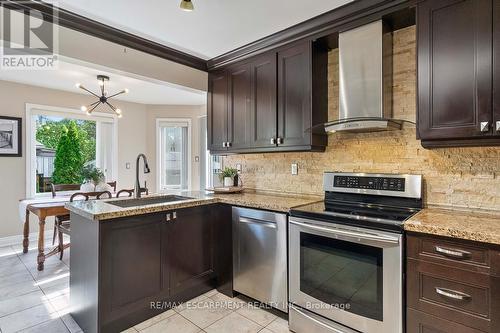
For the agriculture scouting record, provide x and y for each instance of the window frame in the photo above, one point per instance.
(39, 109)
(159, 152)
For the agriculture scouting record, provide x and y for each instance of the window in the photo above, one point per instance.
(96, 135)
(174, 154)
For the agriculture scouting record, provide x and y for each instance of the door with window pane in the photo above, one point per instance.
(174, 155)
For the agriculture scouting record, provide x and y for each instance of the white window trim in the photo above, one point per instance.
(56, 111)
(158, 149)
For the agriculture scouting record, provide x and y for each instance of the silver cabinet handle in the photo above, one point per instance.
(273, 141)
(454, 253)
(168, 218)
(228, 144)
(453, 294)
(485, 126)
(174, 215)
(497, 126)
(280, 141)
(224, 144)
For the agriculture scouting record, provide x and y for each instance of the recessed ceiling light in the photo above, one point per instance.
(187, 5)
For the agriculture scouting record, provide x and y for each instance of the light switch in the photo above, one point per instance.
(295, 169)
(127, 165)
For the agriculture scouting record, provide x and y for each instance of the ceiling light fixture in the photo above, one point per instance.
(103, 99)
(187, 5)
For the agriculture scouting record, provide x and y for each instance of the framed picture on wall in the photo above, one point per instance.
(10, 137)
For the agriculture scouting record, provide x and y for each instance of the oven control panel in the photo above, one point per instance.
(370, 183)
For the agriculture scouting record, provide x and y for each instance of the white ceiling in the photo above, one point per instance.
(213, 28)
(141, 90)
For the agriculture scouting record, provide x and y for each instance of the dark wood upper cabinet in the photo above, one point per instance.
(496, 68)
(455, 66)
(239, 107)
(273, 102)
(217, 117)
(264, 90)
(300, 105)
(294, 95)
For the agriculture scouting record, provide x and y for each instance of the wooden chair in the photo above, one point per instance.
(60, 188)
(130, 192)
(63, 223)
(63, 187)
(113, 185)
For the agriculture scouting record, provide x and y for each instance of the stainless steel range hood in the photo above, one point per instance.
(365, 87)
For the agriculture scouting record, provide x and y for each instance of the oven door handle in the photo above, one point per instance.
(349, 234)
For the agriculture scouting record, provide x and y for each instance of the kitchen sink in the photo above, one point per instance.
(148, 201)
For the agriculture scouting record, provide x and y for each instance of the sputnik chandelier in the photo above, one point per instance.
(103, 99)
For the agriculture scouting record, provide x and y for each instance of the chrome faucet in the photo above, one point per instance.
(137, 188)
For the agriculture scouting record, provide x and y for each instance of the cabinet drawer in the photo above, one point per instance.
(448, 252)
(458, 295)
(419, 322)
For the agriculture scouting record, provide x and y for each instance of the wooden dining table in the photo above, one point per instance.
(42, 211)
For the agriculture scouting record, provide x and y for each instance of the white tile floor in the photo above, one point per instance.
(32, 301)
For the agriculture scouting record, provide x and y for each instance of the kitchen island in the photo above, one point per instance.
(131, 260)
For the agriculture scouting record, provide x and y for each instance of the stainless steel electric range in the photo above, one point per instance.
(346, 254)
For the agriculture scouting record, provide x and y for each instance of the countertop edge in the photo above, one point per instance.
(425, 223)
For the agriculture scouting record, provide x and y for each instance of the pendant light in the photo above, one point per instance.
(103, 98)
(187, 5)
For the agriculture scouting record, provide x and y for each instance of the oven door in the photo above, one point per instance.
(350, 275)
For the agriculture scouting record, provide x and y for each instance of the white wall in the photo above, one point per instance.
(136, 134)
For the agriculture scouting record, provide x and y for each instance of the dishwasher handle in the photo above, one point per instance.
(263, 223)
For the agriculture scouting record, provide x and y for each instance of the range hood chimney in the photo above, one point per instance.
(365, 74)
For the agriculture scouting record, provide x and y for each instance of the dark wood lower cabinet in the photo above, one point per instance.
(121, 268)
(452, 285)
(420, 322)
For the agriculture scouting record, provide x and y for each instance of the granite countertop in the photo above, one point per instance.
(104, 210)
(482, 226)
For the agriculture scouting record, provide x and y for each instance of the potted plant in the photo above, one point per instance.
(93, 179)
(228, 175)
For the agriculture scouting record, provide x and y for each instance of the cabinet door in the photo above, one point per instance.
(454, 68)
(264, 108)
(294, 95)
(217, 110)
(496, 68)
(239, 124)
(191, 248)
(131, 261)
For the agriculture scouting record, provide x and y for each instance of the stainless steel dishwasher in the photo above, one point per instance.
(259, 256)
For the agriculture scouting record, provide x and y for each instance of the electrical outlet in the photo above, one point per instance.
(295, 169)
(197, 158)
(127, 165)
(238, 167)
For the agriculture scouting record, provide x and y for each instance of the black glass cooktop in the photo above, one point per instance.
(357, 213)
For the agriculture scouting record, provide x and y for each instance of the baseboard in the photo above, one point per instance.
(18, 239)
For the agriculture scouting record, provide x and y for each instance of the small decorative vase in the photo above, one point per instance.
(236, 181)
(228, 182)
(87, 187)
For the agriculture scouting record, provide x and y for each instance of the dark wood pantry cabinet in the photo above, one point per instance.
(270, 102)
(458, 71)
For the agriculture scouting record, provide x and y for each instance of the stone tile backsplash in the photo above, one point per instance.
(460, 177)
